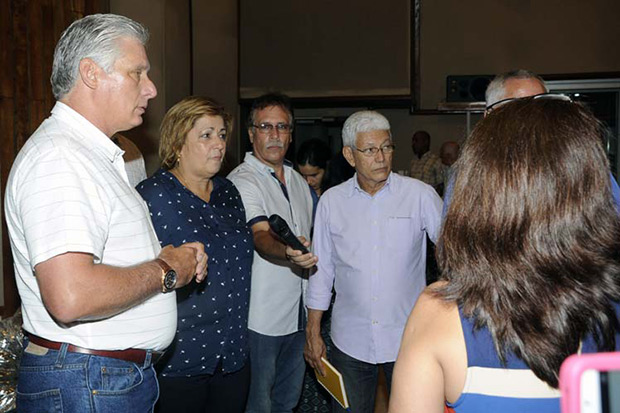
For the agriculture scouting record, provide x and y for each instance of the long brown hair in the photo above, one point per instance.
(531, 243)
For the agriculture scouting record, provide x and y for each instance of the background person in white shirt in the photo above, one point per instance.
(89, 268)
(134, 161)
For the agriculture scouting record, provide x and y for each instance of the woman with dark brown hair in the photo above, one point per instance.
(530, 257)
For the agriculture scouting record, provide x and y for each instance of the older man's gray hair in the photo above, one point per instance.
(363, 121)
(95, 37)
(496, 91)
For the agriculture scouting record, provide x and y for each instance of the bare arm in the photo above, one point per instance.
(432, 362)
(315, 345)
(271, 248)
(74, 288)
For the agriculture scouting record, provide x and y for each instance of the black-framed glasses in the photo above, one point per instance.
(374, 150)
(555, 96)
(268, 128)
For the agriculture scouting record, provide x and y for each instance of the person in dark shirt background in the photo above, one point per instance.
(206, 368)
(312, 159)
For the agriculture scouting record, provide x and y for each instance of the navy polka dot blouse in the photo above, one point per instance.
(213, 315)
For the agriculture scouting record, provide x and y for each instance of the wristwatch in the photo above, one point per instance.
(168, 276)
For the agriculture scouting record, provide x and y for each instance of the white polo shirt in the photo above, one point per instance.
(275, 297)
(68, 192)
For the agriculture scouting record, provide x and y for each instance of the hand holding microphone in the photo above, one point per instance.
(296, 251)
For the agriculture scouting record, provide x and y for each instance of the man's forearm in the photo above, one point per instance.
(74, 288)
(269, 247)
(313, 326)
(94, 291)
(139, 283)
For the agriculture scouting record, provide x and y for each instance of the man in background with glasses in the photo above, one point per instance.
(370, 233)
(268, 185)
(506, 87)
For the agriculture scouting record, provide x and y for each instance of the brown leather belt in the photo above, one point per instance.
(132, 355)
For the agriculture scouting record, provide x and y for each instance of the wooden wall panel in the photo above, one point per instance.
(47, 52)
(6, 61)
(35, 40)
(21, 84)
(29, 30)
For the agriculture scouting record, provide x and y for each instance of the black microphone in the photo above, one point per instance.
(281, 229)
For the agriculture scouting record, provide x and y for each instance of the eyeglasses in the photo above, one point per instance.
(374, 150)
(267, 128)
(555, 96)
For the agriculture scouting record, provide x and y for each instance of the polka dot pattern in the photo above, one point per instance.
(213, 315)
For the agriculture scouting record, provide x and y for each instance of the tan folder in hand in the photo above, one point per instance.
(333, 383)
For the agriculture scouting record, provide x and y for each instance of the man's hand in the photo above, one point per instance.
(74, 288)
(297, 257)
(202, 260)
(314, 350)
(188, 260)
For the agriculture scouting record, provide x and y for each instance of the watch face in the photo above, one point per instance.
(170, 280)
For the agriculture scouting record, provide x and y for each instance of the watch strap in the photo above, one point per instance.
(163, 265)
(165, 270)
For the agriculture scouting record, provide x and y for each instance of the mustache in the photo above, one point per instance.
(275, 145)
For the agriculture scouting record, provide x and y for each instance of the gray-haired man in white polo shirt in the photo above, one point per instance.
(90, 272)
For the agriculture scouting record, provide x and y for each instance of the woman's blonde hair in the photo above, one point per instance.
(180, 119)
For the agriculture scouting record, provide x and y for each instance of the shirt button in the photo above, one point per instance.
(375, 322)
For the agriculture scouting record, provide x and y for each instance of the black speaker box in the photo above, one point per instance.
(467, 88)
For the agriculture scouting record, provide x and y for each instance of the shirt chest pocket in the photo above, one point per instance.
(400, 234)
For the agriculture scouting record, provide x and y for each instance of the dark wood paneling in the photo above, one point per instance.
(47, 52)
(35, 40)
(7, 152)
(21, 82)
(6, 50)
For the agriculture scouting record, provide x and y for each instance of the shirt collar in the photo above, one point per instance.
(355, 187)
(89, 133)
(426, 155)
(169, 180)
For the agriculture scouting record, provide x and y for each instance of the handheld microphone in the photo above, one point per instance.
(281, 229)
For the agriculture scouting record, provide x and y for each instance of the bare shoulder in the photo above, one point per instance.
(420, 378)
(430, 306)
(435, 321)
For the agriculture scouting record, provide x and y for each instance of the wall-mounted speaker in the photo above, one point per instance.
(467, 88)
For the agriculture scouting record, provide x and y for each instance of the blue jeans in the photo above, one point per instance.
(276, 372)
(360, 381)
(60, 381)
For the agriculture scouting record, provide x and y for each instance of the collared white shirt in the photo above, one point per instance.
(68, 192)
(276, 288)
(372, 250)
(134, 161)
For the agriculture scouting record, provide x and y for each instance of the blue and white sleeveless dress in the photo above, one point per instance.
(493, 387)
